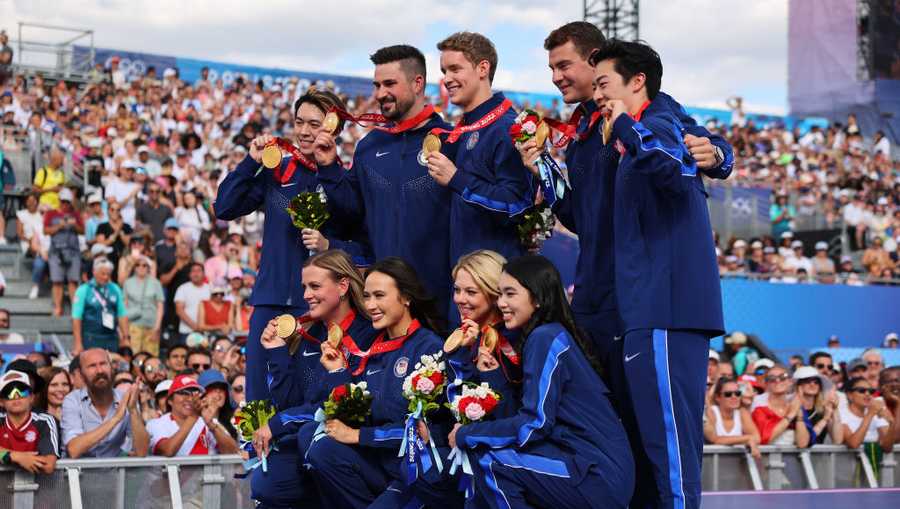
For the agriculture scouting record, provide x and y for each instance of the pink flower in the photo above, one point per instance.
(474, 411)
(529, 127)
(424, 385)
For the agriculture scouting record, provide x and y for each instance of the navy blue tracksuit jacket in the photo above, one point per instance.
(491, 187)
(407, 214)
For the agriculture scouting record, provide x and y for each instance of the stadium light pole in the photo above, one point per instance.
(616, 18)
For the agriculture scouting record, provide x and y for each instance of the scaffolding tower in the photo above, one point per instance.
(616, 18)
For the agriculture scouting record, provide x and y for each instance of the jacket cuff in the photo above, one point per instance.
(276, 426)
(622, 130)
(248, 166)
(366, 436)
(331, 171)
(459, 182)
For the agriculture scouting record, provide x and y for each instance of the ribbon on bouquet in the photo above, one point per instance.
(253, 463)
(460, 460)
(320, 429)
(412, 448)
(553, 185)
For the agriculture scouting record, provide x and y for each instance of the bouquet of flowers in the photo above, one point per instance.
(250, 417)
(526, 126)
(425, 384)
(350, 404)
(422, 388)
(536, 226)
(308, 210)
(473, 404)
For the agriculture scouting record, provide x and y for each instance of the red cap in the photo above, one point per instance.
(751, 380)
(182, 382)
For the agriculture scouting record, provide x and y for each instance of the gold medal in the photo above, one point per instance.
(490, 339)
(285, 327)
(453, 341)
(271, 157)
(330, 124)
(541, 134)
(607, 131)
(430, 144)
(335, 335)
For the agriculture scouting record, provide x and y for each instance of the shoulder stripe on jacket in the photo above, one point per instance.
(559, 346)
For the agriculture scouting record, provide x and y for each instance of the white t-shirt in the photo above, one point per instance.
(119, 190)
(33, 224)
(192, 295)
(853, 423)
(200, 439)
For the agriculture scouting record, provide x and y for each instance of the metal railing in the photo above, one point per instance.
(835, 279)
(54, 58)
(208, 481)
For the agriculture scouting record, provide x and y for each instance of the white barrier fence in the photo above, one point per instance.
(208, 481)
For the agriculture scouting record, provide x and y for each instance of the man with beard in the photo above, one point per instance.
(99, 421)
(405, 210)
(285, 249)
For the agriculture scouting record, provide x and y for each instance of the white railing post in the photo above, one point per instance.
(775, 470)
(23, 488)
(73, 474)
(809, 471)
(753, 469)
(888, 466)
(174, 486)
(212, 485)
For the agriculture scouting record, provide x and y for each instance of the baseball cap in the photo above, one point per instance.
(821, 246)
(143, 149)
(764, 363)
(736, 338)
(218, 289)
(235, 272)
(27, 367)
(797, 243)
(172, 223)
(212, 377)
(769, 250)
(99, 249)
(184, 383)
(14, 377)
(163, 387)
(891, 336)
(757, 244)
(752, 380)
(855, 364)
(94, 198)
(787, 235)
(740, 243)
(65, 194)
(713, 355)
(846, 258)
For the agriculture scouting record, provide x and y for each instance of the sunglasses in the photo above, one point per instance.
(778, 378)
(829, 367)
(863, 390)
(731, 394)
(237, 388)
(153, 369)
(189, 392)
(16, 393)
(199, 366)
(221, 349)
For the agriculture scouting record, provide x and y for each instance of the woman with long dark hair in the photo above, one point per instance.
(333, 290)
(566, 446)
(360, 467)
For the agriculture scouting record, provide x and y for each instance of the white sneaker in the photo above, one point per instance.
(3, 240)
(33, 294)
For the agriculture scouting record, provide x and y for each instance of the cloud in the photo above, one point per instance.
(711, 49)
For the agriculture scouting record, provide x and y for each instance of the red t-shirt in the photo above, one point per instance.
(37, 434)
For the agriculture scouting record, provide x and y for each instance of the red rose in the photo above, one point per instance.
(532, 118)
(437, 378)
(488, 403)
(464, 402)
(340, 392)
(515, 131)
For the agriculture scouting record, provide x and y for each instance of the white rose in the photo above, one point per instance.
(424, 385)
(474, 411)
(529, 127)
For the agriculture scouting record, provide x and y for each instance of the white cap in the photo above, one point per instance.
(100, 249)
(740, 243)
(797, 243)
(757, 244)
(787, 235)
(713, 354)
(169, 72)
(94, 198)
(14, 376)
(65, 194)
(821, 246)
(767, 363)
(163, 387)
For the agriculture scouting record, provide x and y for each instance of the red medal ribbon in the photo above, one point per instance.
(460, 129)
(289, 147)
(637, 116)
(381, 346)
(303, 333)
(377, 118)
(569, 130)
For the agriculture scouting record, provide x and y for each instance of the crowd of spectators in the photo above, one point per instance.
(752, 400)
(836, 178)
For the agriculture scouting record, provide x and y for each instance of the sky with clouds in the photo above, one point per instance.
(711, 49)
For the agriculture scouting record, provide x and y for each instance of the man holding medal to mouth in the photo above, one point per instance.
(490, 184)
(405, 211)
(269, 178)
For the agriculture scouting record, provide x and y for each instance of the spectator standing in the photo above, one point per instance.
(97, 306)
(124, 190)
(188, 299)
(63, 224)
(99, 421)
(776, 415)
(27, 439)
(115, 233)
(49, 181)
(192, 218)
(191, 427)
(215, 314)
(7, 183)
(727, 423)
(30, 230)
(782, 214)
(94, 217)
(153, 213)
(818, 405)
(144, 300)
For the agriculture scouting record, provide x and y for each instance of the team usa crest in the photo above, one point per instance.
(401, 367)
(472, 140)
(422, 158)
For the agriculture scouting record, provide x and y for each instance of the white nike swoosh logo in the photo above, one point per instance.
(289, 184)
(617, 338)
(379, 154)
(629, 357)
(310, 354)
(370, 372)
